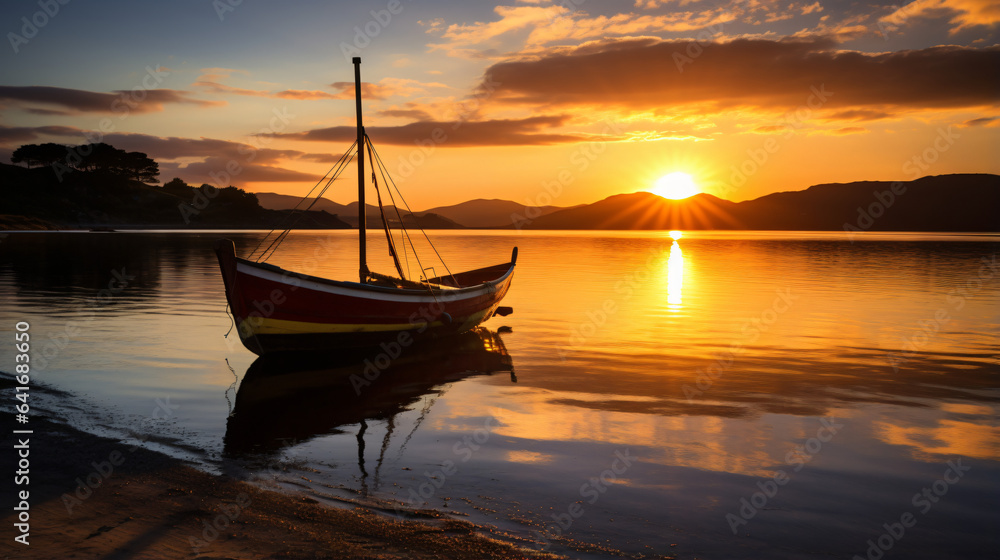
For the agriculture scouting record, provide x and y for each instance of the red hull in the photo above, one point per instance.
(278, 310)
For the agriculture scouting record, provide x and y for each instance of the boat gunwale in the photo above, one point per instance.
(346, 284)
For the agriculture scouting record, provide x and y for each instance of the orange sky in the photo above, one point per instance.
(535, 101)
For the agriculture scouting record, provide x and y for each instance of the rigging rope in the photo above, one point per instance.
(381, 211)
(378, 158)
(291, 219)
(335, 172)
(403, 235)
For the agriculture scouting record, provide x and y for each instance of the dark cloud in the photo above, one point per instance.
(415, 114)
(859, 115)
(849, 130)
(17, 133)
(28, 133)
(210, 171)
(256, 162)
(345, 90)
(47, 112)
(501, 132)
(256, 158)
(82, 101)
(984, 121)
(651, 74)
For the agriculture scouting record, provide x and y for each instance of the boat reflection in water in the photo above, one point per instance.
(286, 400)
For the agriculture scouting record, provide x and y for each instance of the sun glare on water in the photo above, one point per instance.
(676, 185)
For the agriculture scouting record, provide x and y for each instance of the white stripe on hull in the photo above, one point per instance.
(444, 295)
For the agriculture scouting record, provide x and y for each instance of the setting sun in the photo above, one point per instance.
(676, 185)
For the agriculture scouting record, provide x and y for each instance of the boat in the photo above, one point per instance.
(277, 310)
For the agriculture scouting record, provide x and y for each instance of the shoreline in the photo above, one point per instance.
(138, 503)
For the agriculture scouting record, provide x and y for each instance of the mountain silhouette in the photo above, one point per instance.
(478, 213)
(349, 212)
(491, 213)
(961, 202)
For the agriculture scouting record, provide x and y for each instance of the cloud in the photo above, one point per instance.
(411, 113)
(223, 89)
(28, 133)
(216, 158)
(502, 132)
(652, 74)
(194, 158)
(811, 8)
(305, 94)
(216, 170)
(82, 101)
(47, 112)
(771, 129)
(983, 121)
(211, 79)
(859, 115)
(849, 130)
(962, 14)
(385, 88)
(544, 25)
(532, 27)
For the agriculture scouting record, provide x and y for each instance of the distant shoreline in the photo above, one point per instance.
(86, 200)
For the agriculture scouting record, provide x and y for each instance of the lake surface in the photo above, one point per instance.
(721, 395)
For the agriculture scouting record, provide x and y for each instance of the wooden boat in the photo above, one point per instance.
(278, 310)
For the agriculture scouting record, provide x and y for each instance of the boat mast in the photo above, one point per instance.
(362, 226)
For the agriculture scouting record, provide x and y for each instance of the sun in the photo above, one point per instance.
(676, 185)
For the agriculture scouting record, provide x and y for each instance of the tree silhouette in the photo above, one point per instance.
(141, 167)
(99, 157)
(39, 154)
(177, 185)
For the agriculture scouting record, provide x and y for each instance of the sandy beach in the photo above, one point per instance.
(137, 503)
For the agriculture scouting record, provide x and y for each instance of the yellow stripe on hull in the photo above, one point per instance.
(265, 325)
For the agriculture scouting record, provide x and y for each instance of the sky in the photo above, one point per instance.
(542, 102)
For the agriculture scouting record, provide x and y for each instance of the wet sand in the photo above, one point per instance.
(148, 505)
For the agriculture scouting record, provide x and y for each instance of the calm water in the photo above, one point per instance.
(796, 387)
